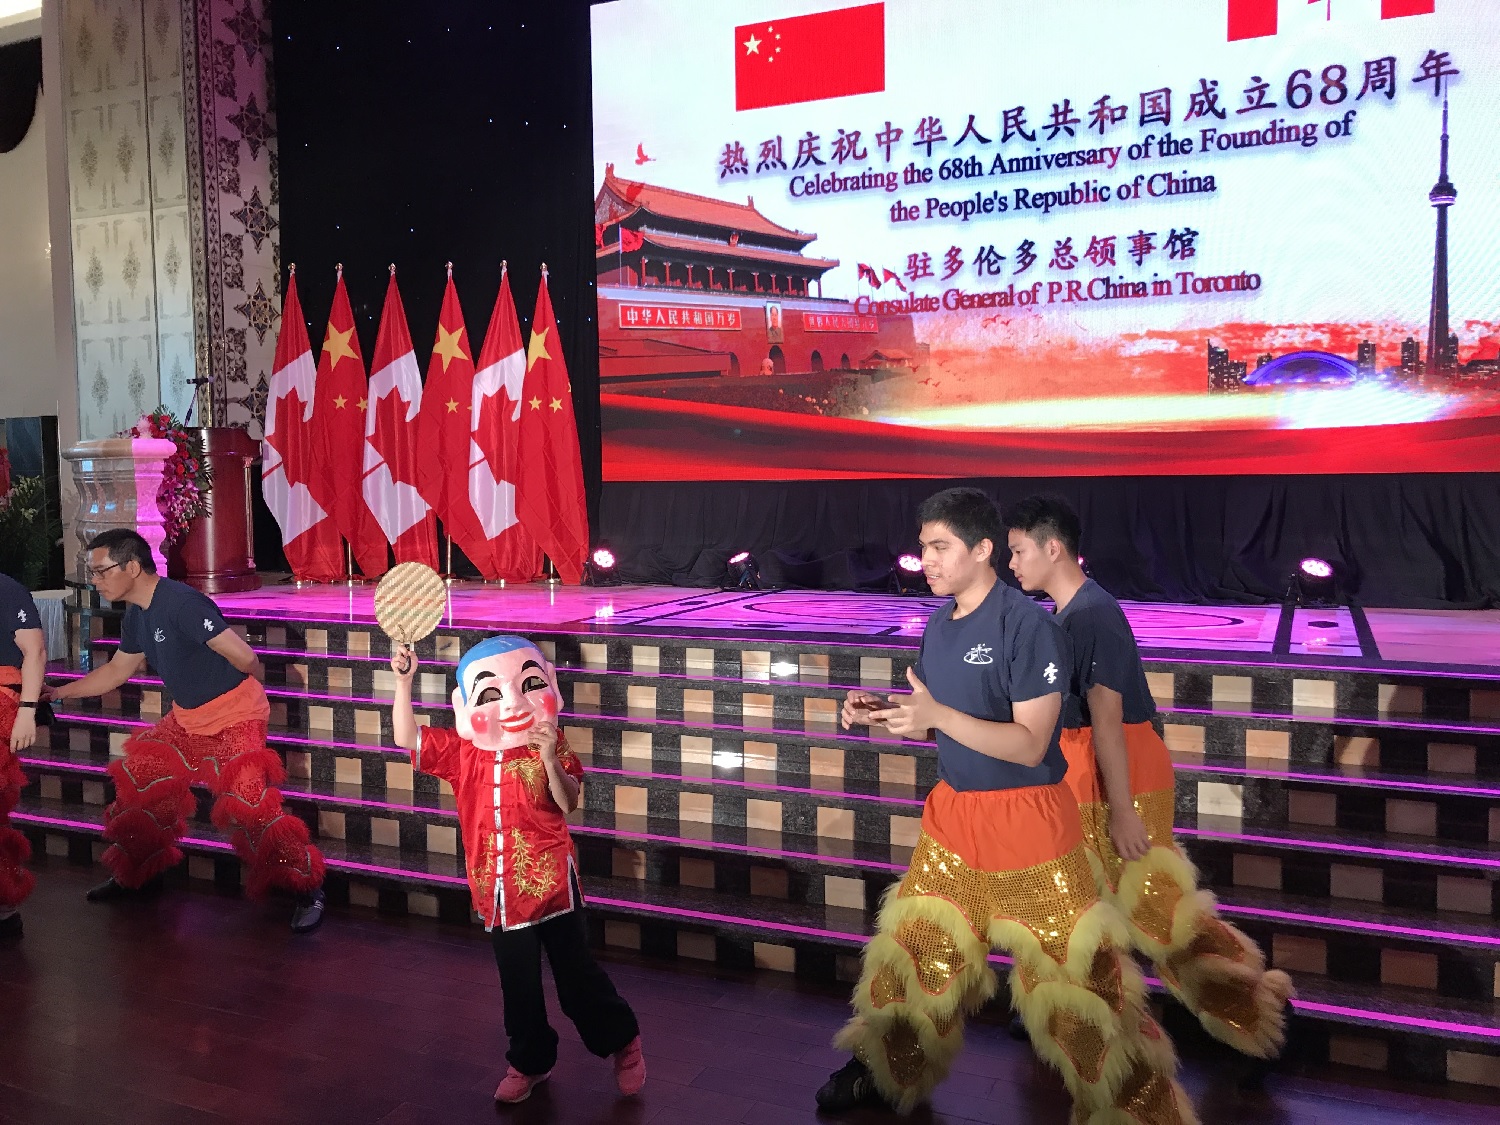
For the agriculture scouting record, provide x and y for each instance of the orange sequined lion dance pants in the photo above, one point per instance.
(1217, 972)
(16, 881)
(226, 752)
(1008, 869)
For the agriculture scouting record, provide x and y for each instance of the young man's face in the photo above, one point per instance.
(950, 565)
(503, 697)
(1031, 562)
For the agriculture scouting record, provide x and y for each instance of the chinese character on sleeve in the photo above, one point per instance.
(770, 156)
(887, 138)
(1104, 115)
(1156, 107)
(1255, 96)
(846, 147)
(971, 131)
(1025, 259)
(1435, 67)
(807, 151)
(988, 262)
(1141, 245)
(1380, 78)
(918, 265)
(952, 262)
(732, 162)
(1204, 102)
(1101, 251)
(1015, 125)
(928, 132)
(1063, 119)
(1063, 257)
(1182, 244)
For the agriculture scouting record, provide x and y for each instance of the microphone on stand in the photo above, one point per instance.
(188, 417)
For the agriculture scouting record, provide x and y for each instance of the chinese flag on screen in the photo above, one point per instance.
(808, 58)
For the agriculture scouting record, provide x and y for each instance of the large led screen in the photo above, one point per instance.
(998, 237)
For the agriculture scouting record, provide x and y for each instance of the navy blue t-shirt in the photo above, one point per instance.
(174, 631)
(1008, 650)
(17, 612)
(1104, 652)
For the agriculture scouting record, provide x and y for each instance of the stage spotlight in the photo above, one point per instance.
(1315, 582)
(600, 569)
(907, 576)
(743, 573)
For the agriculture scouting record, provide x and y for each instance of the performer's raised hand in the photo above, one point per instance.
(404, 665)
(543, 740)
(857, 708)
(916, 713)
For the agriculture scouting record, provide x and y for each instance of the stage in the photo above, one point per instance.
(1463, 640)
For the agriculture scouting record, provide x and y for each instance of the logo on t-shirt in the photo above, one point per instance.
(979, 654)
(160, 636)
(208, 625)
(1051, 673)
(20, 615)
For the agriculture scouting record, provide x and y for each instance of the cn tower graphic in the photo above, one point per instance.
(1441, 196)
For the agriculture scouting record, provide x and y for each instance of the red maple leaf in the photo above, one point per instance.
(494, 416)
(293, 439)
(393, 439)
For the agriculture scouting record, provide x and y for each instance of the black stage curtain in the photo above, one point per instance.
(1411, 540)
(426, 133)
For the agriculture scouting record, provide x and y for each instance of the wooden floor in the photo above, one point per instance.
(198, 1008)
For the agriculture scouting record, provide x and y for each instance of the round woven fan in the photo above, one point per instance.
(410, 602)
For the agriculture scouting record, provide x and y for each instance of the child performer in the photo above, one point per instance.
(515, 781)
(1120, 771)
(1000, 862)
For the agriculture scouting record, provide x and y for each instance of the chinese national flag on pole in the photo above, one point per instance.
(549, 474)
(808, 58)
(339, 424)
(290, 454)
(443, 433)
(494, 455)
(390, 452)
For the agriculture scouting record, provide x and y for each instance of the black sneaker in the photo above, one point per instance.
(10, 927)
(307, 915)
(110, 890)
(1018, 1030)
(850, 1086)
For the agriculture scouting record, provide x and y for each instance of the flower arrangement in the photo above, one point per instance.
(185, 480)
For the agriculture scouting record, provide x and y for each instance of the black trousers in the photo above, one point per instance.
(587, 995)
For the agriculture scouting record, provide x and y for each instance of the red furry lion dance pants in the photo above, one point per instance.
(153, 800)
(15, 880)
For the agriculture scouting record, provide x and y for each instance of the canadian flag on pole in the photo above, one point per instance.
(390, 453)
(338, 420)
(443, 433)
(1253, 19)
(494, 449)
(289, 453)
(549, 474)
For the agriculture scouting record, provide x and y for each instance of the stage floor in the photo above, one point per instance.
(1383, 638)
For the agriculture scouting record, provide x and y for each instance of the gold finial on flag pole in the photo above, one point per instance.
(393, 269)
(449, 268)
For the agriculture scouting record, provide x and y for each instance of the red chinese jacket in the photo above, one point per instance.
(522, 865)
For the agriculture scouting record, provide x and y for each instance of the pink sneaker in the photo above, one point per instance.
(516, 1087)
(630, 1068)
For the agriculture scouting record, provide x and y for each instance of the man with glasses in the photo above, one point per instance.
(214, 735)
(23, 662)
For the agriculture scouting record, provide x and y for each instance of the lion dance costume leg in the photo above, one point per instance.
(1214, 969)
(153, 800)
(16, 881)
(1007, 869)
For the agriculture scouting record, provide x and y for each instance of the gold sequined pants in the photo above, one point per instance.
(1217, 972)
(1007, 869)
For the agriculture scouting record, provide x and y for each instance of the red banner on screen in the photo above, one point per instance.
(676, 316)
(839, 322)
(809, 58)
